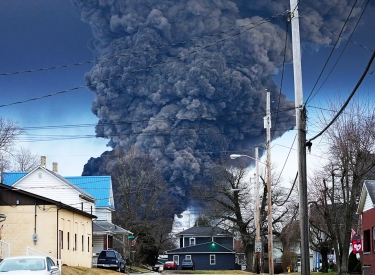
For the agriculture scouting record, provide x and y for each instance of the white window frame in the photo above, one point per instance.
(192, 241)
(212, 259)
(188, 257)
(176, 259)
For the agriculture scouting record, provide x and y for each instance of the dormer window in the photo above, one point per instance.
(192, 241)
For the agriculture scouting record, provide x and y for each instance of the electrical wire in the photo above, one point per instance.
(346, 44)
(332, 50)
(135, 52)
(349, 98)
(282, 74)
(199, 49)
(333, 32)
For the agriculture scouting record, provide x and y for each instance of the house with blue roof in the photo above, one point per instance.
(92, 194)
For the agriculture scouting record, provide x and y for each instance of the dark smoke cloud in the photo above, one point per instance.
(202, 100)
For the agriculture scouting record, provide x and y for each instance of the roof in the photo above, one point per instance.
(94, 188)
(99, 187)
(14, 177)
(9, 178)
(368, 188)
(209, 247)
(100, 227)
(57, 203)
(205, 231)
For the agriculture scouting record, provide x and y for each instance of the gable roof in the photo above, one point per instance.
(95, 188)
(209, 247)
(368, 188)
(205, 231)
(57, 203)
(99, 187)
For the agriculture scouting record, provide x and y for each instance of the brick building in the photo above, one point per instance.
(366, 209)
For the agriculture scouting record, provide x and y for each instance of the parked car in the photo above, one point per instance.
(170, 265)
(158, 267)
(23, 265)
(111, 259)
(187, 264)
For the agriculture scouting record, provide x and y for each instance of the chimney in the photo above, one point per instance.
(43, 161)
(54, 167)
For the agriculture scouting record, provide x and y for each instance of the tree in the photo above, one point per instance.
(143, 204)
(23, 160)
(336, 188)
(231, 205)
(9, 130)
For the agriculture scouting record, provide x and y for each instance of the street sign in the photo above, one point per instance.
(131, 237)
(258, 246)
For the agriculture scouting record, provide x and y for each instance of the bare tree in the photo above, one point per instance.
(24, 160)
(143, 204)
(9, 130)
(336, 188)
(231, 205)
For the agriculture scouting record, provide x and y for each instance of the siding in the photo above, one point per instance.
(44, 184)
(368, 203)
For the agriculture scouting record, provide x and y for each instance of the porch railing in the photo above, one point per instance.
(4, 249)
(32, 252)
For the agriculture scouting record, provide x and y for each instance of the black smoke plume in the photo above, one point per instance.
(184, 81)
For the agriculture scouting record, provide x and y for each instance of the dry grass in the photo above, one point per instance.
(76, 270)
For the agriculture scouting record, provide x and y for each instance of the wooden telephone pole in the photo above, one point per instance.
(269, 193)
(301, 134)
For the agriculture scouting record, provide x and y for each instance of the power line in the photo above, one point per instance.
(282, 74)
(346, 44)
(199, 49)
(332, 50)
(325, 28)
(135, 52)
(348, 100)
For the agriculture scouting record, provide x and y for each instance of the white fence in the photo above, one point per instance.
(4, 249)
(32, 252)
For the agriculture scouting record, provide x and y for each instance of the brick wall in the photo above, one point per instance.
(368, 223)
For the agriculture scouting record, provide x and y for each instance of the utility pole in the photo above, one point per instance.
(301, 134)
(258, 244)
(269, 193)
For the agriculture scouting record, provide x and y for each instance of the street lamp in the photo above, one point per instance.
(258, 244)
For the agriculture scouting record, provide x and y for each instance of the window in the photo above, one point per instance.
(68, 238)
(366, 241)
(88, 244)
(75, 242)
(188, 257)
(192, 241)
(176, 259)
(82, 243)
(212, 259)
(61, 239)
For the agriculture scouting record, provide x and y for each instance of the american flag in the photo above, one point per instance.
(134, 241)
(352, 234)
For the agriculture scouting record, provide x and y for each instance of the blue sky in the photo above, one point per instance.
(43, 33)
